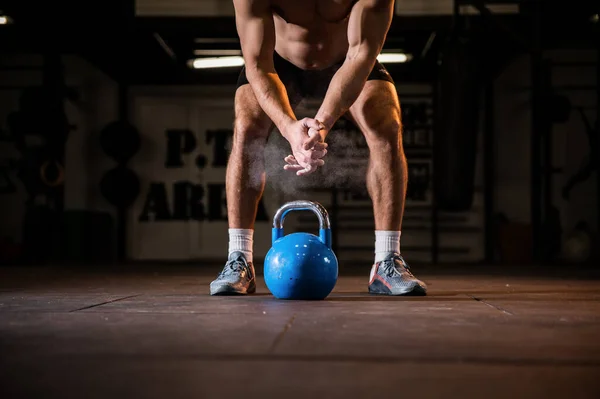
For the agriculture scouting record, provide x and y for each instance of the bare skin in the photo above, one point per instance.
(315, 34)
(376, 112)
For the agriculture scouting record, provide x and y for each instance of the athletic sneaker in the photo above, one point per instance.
(236, 278)
(392, 276)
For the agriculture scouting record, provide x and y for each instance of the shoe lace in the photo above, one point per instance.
(391, 265)
(233, 267)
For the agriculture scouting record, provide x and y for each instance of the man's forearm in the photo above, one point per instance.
(272, 97)
(344, 89)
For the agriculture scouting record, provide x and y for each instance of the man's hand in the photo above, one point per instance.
(308, 147)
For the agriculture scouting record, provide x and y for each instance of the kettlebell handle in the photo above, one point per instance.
(303, 205)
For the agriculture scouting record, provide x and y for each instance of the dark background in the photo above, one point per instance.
(499, 111)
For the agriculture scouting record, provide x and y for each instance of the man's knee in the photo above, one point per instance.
(384, 133)
(249, 131)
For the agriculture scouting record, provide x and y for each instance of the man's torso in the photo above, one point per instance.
(312, 34)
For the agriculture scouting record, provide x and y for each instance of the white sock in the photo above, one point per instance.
(386, 242)
(241, 240)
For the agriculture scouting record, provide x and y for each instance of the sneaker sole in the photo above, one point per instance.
(415, 291)
(227, 290)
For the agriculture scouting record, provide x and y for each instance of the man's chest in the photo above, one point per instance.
(306, 12)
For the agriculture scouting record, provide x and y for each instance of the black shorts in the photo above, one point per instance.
(301, 83)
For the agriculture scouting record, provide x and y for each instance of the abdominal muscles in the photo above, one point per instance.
(315, 48)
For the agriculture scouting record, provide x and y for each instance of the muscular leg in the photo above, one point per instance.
(245, 182)
(376, 112)
(245, 179)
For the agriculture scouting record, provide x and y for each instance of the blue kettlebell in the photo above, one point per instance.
(301, 265)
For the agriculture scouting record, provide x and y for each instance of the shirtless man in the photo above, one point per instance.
(326, 49)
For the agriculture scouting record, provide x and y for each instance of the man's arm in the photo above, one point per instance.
(255, 27)
(367, 29)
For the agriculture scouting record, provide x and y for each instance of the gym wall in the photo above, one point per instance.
(461, 233)
(95, 106)
(570, 148)
(181, 212)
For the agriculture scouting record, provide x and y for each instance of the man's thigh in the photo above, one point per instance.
(376, 112)
(250, 119)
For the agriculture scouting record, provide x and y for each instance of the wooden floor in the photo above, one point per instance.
(153, 332)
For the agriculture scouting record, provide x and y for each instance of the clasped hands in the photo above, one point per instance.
(307, 141)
